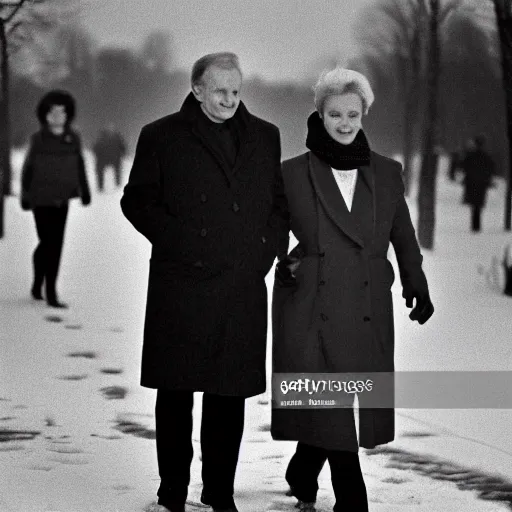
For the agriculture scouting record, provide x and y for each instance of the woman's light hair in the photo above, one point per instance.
(342, 81)
(224, 60)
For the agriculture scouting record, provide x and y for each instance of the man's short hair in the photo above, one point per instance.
(224, 60)
(342, 81)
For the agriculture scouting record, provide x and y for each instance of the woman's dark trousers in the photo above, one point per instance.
(50, 225)
(346, 476)
(222, 427)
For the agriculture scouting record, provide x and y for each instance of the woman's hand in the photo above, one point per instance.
(423, 309)
(285, 269)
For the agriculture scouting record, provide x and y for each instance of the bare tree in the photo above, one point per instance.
(18, 19)
(437, 15)
(392, 35)
(503, 11)
(428, 173)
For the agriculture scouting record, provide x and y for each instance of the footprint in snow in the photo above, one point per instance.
(114, 392)
(53, 318)
(86, 354)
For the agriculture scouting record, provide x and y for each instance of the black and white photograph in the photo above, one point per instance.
(255, 256)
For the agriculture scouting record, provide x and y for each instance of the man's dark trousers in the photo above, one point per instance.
(476, 216)
(222, 426)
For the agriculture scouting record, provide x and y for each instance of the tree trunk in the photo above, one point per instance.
(3, 127)
(408, 147)
(428, 173)
(5, 143)
(412, 80)
(503, 12)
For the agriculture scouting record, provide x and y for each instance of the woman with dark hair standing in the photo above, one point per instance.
(332, 302)
(53, 173)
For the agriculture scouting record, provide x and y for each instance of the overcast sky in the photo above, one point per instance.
(277, 39)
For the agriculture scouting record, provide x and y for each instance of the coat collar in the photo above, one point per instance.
(328, 192)
(243, 124)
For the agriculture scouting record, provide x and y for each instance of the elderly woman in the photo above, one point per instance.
(332, 304)
(53, 173)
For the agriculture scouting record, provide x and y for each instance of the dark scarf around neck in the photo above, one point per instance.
(338, 156)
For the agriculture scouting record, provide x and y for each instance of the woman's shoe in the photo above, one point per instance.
(36, 293)
(55, 303)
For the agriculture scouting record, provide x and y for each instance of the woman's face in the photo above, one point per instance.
(342, 116)
(56, 117)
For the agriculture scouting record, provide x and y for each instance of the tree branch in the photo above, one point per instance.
(13, 28)
(16, 9)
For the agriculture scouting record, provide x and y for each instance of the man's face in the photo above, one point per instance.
(219, 93)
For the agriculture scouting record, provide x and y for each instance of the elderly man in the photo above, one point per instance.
(206, 190)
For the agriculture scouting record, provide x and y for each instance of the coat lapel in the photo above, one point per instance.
(212, 147)
(329, 194)
(367, 172)
(248, 143)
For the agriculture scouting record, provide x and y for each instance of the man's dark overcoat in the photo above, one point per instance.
(339, 315)
(214, 232)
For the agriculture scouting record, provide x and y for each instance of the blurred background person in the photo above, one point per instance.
(53, 173)
(335, 314)
(479, 168)
(109, 150)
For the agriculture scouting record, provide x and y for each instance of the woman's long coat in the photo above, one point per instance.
(54, 170)
(214, 234)
(338, 317)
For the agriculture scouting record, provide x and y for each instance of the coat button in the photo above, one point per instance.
(263, 239)
(204, 231)
(366, 318)
(199, 264)
(235, 207)
(321, 254)
(203, 198)
(324, 317)
(322, 282)
(366, 283)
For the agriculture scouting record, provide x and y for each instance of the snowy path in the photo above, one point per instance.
(76, 429)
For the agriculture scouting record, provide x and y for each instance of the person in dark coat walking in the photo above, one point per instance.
(53, 173)
(332, 305)
(206, 190)
(478, 167)
(109, 150)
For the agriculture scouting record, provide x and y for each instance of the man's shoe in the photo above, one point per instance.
(155, 507)
(205, 498)
(305, 506)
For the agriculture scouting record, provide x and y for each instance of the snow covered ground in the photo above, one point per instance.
(77, 431)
